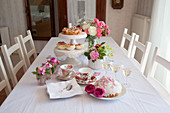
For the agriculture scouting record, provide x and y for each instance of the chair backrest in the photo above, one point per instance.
(128, 37)
(7, 52)
(157, 59)
(28, 54)
(4, 83)
(145, 51)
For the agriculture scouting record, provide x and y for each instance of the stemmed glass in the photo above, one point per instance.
(105, 66)
(126, 72)
(115, 68)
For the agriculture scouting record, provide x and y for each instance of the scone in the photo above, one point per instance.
(79, 46)
(71, 31)
(61, 45)
(70, 46)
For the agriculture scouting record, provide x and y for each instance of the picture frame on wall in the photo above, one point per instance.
(117, 4)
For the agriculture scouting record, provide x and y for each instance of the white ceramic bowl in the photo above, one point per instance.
(85, 71)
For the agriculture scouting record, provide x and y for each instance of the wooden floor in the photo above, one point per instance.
(20, 73)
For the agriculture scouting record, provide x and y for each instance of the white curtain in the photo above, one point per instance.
(80, 9)
(160, 36)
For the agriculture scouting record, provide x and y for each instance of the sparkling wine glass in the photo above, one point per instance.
(105, 66)
(115, 68)
(126, 72)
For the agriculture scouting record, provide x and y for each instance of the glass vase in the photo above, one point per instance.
(41, 80)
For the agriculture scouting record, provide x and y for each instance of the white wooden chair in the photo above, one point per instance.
(32, 51)
(128, 37)
(7, 52)
(4, 83)
(157, 59)
(145, 50)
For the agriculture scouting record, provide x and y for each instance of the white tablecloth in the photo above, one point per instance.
(28, 97)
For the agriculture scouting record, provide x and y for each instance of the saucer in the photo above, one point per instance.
(90, 79)
(61, 77)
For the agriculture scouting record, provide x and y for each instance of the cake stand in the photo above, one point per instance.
(71, 55)
(73, 37)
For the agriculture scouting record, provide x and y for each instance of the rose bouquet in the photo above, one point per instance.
(47, 68)
(99, 51)
(94, 29)
(98, 92)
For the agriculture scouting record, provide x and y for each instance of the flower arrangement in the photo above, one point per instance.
(98, 92)
(94, 29)
(46, 69)
(99, 51)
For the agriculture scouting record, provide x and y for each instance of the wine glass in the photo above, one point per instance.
(126, 72)
(105, 66)
(115, 68)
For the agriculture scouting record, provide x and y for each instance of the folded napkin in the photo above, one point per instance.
(58, 90)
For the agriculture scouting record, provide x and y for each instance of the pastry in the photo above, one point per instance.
(79, 46)
(61, 45)
(71, 31)
(111, 86)
(70, 46)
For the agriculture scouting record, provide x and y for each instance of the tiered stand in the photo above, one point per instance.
(71, 55)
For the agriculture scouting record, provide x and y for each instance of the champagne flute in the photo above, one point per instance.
(105, 66)
(115, 68)
(126, 72)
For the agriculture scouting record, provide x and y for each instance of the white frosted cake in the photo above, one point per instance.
(111, 86)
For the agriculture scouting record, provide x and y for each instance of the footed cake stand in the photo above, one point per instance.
(71, 55)
(73, 37)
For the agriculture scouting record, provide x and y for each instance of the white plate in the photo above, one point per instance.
(79, 36)
(113, 98)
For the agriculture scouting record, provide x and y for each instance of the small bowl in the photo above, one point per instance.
(85, 71)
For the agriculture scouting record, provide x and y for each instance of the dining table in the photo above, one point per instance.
(29, 97)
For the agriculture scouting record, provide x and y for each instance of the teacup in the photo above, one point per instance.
(67, 69)
(85, 73)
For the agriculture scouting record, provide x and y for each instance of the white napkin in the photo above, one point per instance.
(58, 90)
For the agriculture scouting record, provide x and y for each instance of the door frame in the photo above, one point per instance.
(29, 26)
(63, 17)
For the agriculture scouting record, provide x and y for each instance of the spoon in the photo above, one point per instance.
(68, 88)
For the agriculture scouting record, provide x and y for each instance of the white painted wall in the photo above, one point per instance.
(118, 19)
(12, 15)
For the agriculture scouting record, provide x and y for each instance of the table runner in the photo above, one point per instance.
(28, 97)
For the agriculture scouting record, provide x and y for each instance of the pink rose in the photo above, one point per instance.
(53, 60)
(86, 31)
(90, 88)
(106, 26)
(41, 70)
(103, 24)
(43, 63)
(99, 30)
(100, 24)
(99, 35)
(79, 27)
(58, 62)
(94, 55)
(108, 31)
(99, 92)
(48, 65)
(96, 20)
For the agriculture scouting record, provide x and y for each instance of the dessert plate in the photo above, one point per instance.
(88, 80)
(113, 98)
(61, 77)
